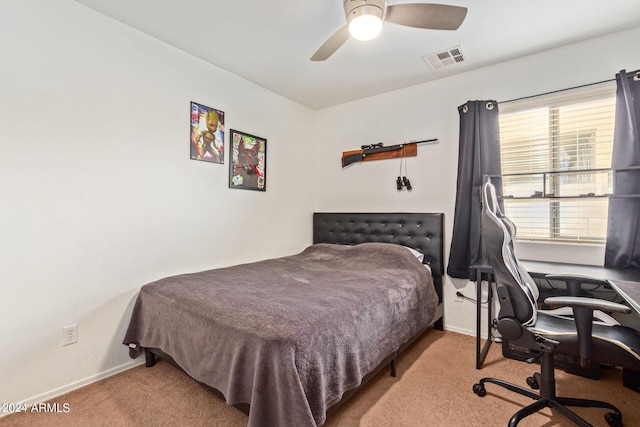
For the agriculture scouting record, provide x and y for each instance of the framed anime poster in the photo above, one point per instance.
(248, 168)
(207, 133)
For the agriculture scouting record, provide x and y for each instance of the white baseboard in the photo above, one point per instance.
(460, 330)
(78, 384)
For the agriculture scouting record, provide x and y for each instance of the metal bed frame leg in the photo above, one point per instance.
(150, 358)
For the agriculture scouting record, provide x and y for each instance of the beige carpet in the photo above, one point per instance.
(433, 388)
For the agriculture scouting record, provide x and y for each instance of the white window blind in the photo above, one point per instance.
(547, 143)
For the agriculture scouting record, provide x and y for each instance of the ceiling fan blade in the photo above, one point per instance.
(331, 45)
(427, 16)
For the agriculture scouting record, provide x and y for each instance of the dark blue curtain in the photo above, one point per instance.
(478, 155)
(623, 241)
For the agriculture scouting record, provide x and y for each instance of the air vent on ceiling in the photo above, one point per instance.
(445, 58)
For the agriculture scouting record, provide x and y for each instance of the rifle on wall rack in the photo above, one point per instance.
(379, 151)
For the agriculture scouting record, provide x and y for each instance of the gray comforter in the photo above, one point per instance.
(289, 335)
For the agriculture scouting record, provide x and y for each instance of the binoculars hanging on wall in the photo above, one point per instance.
(403, 182)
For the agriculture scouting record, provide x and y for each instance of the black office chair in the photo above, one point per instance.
(547, 335)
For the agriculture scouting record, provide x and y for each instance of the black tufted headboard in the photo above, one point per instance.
(421, 231)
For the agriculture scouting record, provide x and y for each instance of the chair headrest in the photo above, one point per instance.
(490, 202)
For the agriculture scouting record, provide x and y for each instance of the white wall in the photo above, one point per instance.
(430, 111)
(99, 195)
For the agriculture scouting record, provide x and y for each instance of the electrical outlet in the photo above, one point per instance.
(69, 335)
(459, 297)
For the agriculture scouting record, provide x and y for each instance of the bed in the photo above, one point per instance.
(289, 339)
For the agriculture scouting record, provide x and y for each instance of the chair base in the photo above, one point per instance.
(560, 404)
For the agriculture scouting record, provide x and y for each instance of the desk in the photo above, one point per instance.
(541, 268)
(630, 291)
(480, 269)
(625, 282)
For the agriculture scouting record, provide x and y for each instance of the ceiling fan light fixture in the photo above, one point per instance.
(364, 18)
(365, 27)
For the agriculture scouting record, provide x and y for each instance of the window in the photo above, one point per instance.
(556, 154)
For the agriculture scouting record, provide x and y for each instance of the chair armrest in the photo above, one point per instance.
(583, 317)
(591, 303)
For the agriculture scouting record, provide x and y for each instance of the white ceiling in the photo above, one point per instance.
(269, 42)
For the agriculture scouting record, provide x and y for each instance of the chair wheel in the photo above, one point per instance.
(479, 390)
(533, 383)
(613, 419)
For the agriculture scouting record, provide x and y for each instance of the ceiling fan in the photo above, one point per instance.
(365, 18)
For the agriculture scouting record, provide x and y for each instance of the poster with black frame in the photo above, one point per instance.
(248, 168)
(207, 133)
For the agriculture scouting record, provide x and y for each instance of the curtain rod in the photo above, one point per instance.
(562, 90)
(556, 91)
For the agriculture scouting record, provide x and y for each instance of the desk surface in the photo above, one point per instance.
(625, 282)
(604, 273)
(630, 291)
